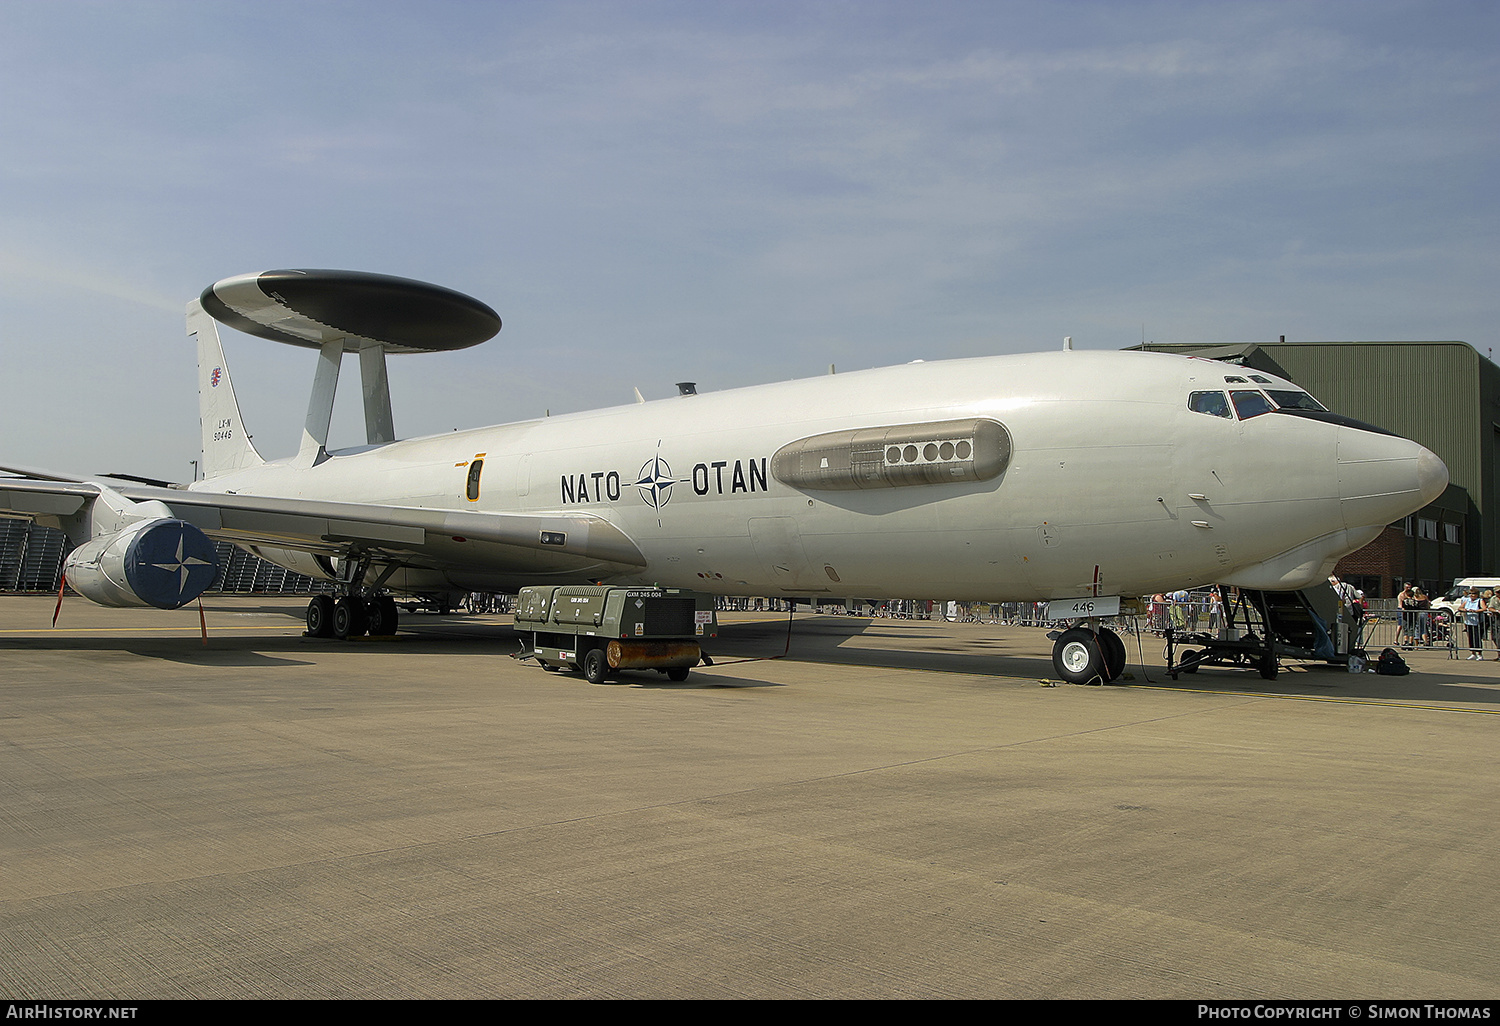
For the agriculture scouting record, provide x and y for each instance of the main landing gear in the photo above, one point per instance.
(1087, 655)
(351, 616)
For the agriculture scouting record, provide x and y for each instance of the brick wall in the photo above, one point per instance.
(1385, 558)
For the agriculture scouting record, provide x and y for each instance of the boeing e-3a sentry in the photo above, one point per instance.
(1078, 477)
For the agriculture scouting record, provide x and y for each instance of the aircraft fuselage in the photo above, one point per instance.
(1110, 485)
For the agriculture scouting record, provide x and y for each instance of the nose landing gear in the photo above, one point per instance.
(1088, 655)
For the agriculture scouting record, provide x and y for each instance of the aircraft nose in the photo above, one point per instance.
(1384, 477)
(1432, 475)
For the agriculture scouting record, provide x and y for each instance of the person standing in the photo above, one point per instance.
(1423, 608)
(1472, 606)
(1492, 612)
(1407, 600)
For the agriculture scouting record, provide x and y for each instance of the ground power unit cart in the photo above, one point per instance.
(601, 630)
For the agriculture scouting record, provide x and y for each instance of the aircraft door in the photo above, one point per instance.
(471, 483)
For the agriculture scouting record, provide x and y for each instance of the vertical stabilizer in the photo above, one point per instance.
(226, 444)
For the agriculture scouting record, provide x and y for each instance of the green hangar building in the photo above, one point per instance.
(1444, 395)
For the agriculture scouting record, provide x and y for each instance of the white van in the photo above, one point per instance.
(1461, 587)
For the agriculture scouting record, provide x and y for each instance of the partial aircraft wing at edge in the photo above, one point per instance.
(54, 498)
(317, 526)
(39, 474)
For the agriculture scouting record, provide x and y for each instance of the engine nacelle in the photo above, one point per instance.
(298, 562)
(162, 562)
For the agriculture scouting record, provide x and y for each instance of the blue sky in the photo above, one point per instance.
(730, 193)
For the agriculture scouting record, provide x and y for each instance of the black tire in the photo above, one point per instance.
(677, 673)
(320, 617)
(1076, 657)
(348, 617)
(1266, 664)
(381, 616)
(374, 622)
(595, 666)
(1187, 662)
(1115, 656)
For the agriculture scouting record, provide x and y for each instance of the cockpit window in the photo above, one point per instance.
(1261, 380)
(1212, 403)
(1234, 379)
(1289, 400)
(1250, 404)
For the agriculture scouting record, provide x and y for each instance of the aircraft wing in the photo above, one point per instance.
(420, 536)
(38, 473)
(48, 498)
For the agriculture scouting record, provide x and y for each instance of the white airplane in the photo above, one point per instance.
(1083, 478)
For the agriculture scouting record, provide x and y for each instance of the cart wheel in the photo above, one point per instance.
(1188, 661)
(677, 673)
(1267, 666)
(595, 666)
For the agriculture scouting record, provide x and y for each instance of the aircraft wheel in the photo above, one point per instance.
(1076, 657)
(348, 617)
(1187, 662)
(381, 615)
(595, 666)
(1266, 664)
(677, 673)
(1115, 656)
(320, 616)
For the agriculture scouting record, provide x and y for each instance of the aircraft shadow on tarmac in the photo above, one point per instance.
(983, 651)
(242, 651)
(857, 641)
(1017, 652)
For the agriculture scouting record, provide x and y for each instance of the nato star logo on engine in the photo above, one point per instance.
(182, 567)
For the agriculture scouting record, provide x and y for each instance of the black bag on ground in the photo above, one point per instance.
(1391, 664)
